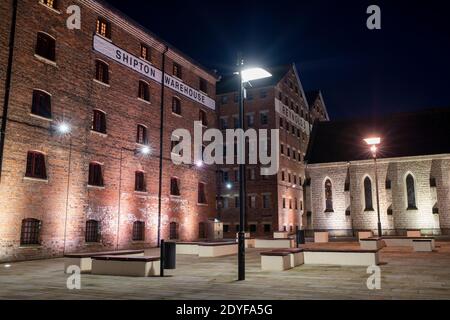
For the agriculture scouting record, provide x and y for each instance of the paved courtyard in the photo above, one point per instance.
(405, 275)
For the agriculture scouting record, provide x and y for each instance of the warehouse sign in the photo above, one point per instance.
(291, 116)
(144, 68)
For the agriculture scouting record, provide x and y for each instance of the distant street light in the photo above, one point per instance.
(374, 143)
(245, 75)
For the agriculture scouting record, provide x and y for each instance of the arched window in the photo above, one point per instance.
(36, 165)
(328, 196)
(30, 232)
(101, 72)
(173, 231)
(45, 46)
(411, 192)
(368, 194)
(144, 91)
(99, 121)
(41, 104)
(138, 231)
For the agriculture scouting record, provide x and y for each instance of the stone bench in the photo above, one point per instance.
(274, 243)
(371, 243)
(365, 234)
(341, 257)
(275, 261)
(281, 235)
(423, 245)
(189, 248)
(413, 233)
(84, 260)
(405, 241)
(126, 266)
(321, 237)
(218, 249)
(295, 255)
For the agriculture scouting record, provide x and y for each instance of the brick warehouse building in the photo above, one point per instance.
(413, 173)
(273, 202)
(95, 188)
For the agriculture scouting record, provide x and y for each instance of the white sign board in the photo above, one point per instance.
(291, 116)
(144, 68)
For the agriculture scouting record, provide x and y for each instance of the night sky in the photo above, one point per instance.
(403, 67)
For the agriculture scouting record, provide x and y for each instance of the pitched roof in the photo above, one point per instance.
(230, 83)
(403, 135)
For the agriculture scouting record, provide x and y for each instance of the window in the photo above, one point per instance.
(252, 202)
(388, 185)
(203, 85)
(144, 91)
(139, 181)
(103, 28)
(141, 136)
(328, 196)
(92, 231)
(36, 165)
(250, 120)
(138, 231)
(282, 176)
(101, 72)
(41, 105)
(224, 99)
(264, 118)
(237, 202)
(251, 174)
(433, 182)
(226, 176)
(267, 228)
(284, 203)
(223, 123)
(30, 231)
(296, 204)
(99, 122)
(238, 228)
(201, 193)
(95, 175)
(226, 228)
(173, 231)
(177, 72)
(282, 148)
(145, 52)
(236, 122)
(266, 201)
(202, 230)
(45, 46)
(368, 194)
(290, 204)
(411, 192)
(253, 228)
(263, 93)
(49, 3)
(175, 187)
(176, 105)
(249, 96)
(203, 118)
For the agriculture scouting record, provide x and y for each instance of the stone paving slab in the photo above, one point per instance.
(405, 275)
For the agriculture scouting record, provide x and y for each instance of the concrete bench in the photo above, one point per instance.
(320, 237)
(275, 261)
(413, 233)
(281, 235)
(126, 266)
(190, 248)
(250, 243)
(423, 245)
(371, 243)
(274, 243)
(340, 257)
(365, 234)
(295, 255)
(84, 260)
(405, 241)
(218, 249)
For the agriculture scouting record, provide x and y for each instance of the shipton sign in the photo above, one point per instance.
(121, 56)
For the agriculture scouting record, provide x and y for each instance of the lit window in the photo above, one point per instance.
(36, 165)
(30, 232)
(49, 3)
(41, 104)
(95, 175)
(177, 71)
(145, 52)
(101, 71)
(103, 28)
(45, 46)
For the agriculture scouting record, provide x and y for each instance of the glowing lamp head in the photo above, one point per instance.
(252, 74)
(145, 150)
(229, 186)
(373, 141)
(199, 164)
(7, 266)
(63, 128)
(373, 149)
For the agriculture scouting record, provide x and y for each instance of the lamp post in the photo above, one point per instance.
(245, 75)
(373, 143)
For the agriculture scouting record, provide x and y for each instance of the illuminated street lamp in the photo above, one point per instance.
(245, 75)
(374, 143)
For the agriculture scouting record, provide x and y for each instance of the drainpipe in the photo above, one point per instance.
(7, 84)
(161, 140)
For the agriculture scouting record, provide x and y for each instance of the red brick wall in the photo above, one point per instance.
(74, 96)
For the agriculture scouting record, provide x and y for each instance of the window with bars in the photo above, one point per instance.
(50, 3)
(144, 91)
(173, 231)
(145, 52)
(101, 72)
(92, 233)
(175, 186)
(99, 121)
(250, 120)
(46, 46)
(202, 193)
(36, 165)
(95, 175)
(202, 230)
(264, 118)
(203, 85)
(203, 118)
(177, 71)
(176, 105)
(141, 136)
(138, 231)
(103, 27)
(41, 104)
(30, 232)
(139, 182)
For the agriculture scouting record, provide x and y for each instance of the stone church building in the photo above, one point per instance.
(413, 174)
